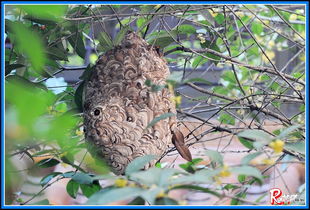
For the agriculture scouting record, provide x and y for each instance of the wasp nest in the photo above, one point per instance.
(119, 105)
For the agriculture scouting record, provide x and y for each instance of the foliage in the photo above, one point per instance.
(43, 41)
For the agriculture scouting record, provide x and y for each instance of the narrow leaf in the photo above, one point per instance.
(138, 163)
(159, 118)
(48, 178)
(248, 171)
(105, 197)
(121, 34)
(215, 156)
(256, 135)
(9, 68)
(247, 159)
(46, 163)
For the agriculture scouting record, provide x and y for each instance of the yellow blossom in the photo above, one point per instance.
(240, 111)
(50, 109)
(302, 58)
(201, 38)
(299, 87)
(240, 14)
(93, 58)
(65, 165)
(161, 194)
(132, 184)
(259, 39)
(177, 100)
(267, 22)
(120, 182)
(79, 132)
(225, 171)
(268, 161)
(293, 17)
(270, 55)
(217, 180)
(213, 14)
(271, 44)
(277, 146)
(170, 87)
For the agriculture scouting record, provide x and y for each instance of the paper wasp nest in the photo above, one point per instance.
(118, 105)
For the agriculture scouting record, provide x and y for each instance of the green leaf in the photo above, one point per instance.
(105, 41)
(150, 194)
(78, 96)
(247, 159)
(104, 197)
(287, 131)
(68, 174)
(186, 29)
(215, 156)
(57, 54)
(219, 18)
(241, 178)
(87, 73)
(236, 201)
(161, 39)
(121, 34)
(140, 22)
(157, 176)
(138, 163)
(46, 163)
(200, 80)
(229, 77)
(159, 118)
(82, 178)
(89, 190)
(61, 107)
(48, 12)
(14, 79)
(296, 147)
(137, 201)
(198, 188)
(257, 27)
(40, 20)
(230, 187)
(42, 202)
(201, 176)
(227, 119)
(248, 171)
(77, 42)
(189, 166)
(9, 68)
(166, 201)
(20, 94)
(69, 159)
(29, 43)
(260, 137)
(213, 46)
(48, 178)
(248, 144)
(199, 61)
(302, 108)
(72, 188)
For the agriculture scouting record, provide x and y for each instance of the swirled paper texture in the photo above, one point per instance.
(118, 104)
